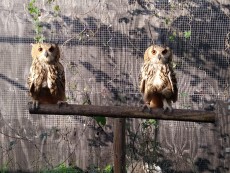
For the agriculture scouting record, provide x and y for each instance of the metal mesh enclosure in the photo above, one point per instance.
(102, 45)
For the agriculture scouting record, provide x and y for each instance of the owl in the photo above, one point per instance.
(46, 78)
(158, 81)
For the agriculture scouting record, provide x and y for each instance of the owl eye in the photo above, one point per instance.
(154, 52)
(164, 51)
(39, 49)
(51, 49)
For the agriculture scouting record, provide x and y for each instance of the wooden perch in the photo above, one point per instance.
(124, 112)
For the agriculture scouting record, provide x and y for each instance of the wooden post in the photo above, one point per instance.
(119, 146)
(120, 113)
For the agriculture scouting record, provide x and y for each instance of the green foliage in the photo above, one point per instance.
(50, 1)
(100, 120)
(62, 168)
(35, 12)
(95, 169)
(56, 8)
(150, 122)
(39, 39)
(108, 169)
(167, 21)
(174, 65)
(172, 37)
(12, 144)
(187, 34)
(184, 94)
(4, 168)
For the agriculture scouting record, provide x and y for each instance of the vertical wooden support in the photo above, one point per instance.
(119, 146)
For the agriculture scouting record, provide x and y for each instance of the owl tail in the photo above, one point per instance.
(156, 102)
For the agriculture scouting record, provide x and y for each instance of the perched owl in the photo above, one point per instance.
(157, 79)
(46, 79)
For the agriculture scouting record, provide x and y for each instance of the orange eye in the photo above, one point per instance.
(39, 49)
(164, 51)
(154, 52)
(51, 49)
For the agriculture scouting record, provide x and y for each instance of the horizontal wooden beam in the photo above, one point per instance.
(124, 112)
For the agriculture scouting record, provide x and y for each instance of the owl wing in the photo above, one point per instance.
(35, 78)
(61, 79)
(173, 83)
(142, 78)
(142, 85)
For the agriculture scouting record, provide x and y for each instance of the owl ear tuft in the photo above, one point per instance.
(33, 44)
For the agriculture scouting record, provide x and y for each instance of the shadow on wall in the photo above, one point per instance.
(102, 137)
(203, 50)
(200, 165)
(13, 82)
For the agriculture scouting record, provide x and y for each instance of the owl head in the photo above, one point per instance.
(45, 52)
(158, 54)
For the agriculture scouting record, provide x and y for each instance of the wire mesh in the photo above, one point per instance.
(102, 45)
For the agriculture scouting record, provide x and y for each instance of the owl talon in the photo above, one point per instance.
(146, 107)
(35, 104)
(61, 103)
(167, 107)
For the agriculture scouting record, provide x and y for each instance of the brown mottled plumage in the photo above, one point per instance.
(47, 77)
(157, 80)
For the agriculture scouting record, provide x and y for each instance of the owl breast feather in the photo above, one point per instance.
(156, 78)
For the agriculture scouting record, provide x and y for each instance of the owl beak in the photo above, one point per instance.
(46, 54)
(159, 57)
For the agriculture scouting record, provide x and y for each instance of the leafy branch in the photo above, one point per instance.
(35, 13)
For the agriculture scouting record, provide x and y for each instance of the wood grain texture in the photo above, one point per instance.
(123, 112)
(119, 146)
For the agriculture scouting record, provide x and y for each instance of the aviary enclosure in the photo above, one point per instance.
(102, 45)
